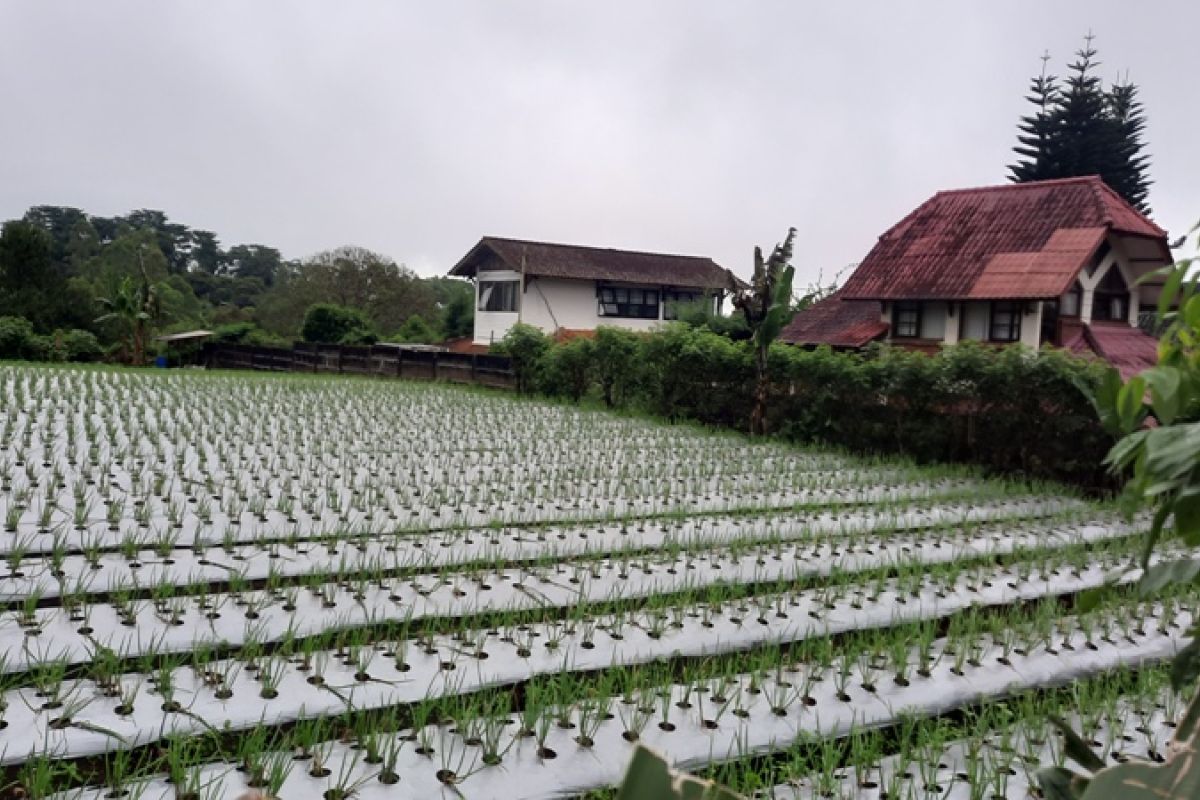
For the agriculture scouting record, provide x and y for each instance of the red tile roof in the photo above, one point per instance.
(1016, 241)
(837, 323)
(596, 263)
(1129, 349)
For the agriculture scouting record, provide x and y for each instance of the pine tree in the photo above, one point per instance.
(1082, 129)
(1035, 130)
(1126, 172)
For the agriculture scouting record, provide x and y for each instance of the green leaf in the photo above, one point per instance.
(1076, 748)
(1187, 516)
(1159, 576)
(1185, 669)
(1130, 407)
(1059, 783)
(1166, 398)
(650, 778)
(1170, 289)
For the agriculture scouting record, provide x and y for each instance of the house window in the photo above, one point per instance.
(673, 299)
(1110, 299)
(1072, 301)
(628, 303)
(498, 296)
(1006, 322)
(906, 319)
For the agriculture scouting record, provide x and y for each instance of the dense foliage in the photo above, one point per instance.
(118, 281)
(1081, 128)
(1003, 408)
(1163, 462)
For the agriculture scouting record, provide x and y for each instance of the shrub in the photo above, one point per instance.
(78, 345)
(615, 363)
(416, 330)
(16, 338)
(566, 370)
(525, 345)
(329, 323)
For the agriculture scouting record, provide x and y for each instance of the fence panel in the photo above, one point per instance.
(381, 360)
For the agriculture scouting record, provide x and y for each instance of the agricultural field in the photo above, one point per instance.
(220, 586)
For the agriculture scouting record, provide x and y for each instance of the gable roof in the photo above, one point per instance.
(836, 322)
(1015, 241)
(595, 263)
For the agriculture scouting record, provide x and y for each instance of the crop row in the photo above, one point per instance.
(168, 622)
(986, 753)
(108, 710)
(143, 563)
(562, 744)
(87, 451)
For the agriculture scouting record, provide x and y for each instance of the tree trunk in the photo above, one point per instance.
(139, 344)
(758, 417)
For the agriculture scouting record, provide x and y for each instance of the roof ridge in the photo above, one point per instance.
(997, 187)
(566, 246)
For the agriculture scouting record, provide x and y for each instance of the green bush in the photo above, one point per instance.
(1007, 409)
(77, 345)
(17, 339)
(525, 346)
(566, 370)
(615, 363)
(334, 324)
(416, 330)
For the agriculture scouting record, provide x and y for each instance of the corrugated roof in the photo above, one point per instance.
(595, 263)
(1016, 241)
(837, 323)
(1129, 349)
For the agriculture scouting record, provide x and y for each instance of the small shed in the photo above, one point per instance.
(181, 349)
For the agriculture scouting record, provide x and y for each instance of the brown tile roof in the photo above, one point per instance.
(595, 263)
(1016, 241)
(836, 322)
(1127, 348)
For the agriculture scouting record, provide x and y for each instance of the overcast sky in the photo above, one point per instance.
(692, 126)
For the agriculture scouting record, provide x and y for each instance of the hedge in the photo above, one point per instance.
(1009, 410)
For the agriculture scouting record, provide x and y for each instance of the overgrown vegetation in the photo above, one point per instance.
(1007, 409)
(1163, 462)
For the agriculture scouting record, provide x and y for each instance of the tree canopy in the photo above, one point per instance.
(63, 270)
(1079, 127)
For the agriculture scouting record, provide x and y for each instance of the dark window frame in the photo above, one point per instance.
(1011, 332)
(512, 294)
(901, 322)
(628, 302)
(1106, 292)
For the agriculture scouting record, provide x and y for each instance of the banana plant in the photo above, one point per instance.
(767, 305)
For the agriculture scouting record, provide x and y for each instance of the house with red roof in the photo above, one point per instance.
(1058, 263)
(569, 290)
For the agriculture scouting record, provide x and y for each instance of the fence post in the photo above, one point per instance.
(399, 361)
(435, 365)
(474, 379)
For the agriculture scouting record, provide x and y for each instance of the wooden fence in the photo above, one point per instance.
(381, 359)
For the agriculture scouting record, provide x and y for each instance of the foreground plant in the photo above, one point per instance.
(1163, 461)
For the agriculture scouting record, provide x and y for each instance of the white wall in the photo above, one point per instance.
(490, 326)
(553, 303)
(1031, 325)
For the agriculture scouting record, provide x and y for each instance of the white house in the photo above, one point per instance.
(567, 288)
(1066, 263)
